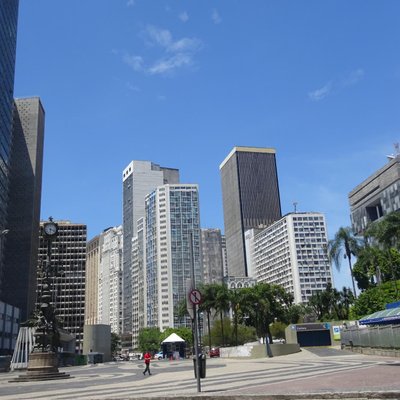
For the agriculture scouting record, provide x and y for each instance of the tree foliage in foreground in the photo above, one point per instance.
(375, 299)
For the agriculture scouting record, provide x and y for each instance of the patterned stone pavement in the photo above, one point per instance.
(312, 374)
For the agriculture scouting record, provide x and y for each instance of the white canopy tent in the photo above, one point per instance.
(172, 338)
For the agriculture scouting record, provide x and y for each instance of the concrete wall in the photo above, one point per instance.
(97, 339)
(257, 350)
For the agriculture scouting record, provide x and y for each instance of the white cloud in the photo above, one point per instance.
(130, 3)
(352, 79)
(167, 65)
(215, 17)
(136, 62)
(162, 37)
(184, 16)
(320, 93)
(175, 53)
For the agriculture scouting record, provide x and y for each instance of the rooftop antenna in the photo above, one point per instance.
(295, 206)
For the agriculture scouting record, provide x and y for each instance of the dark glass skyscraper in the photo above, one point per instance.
(251, 200)
(8, 42)
(18, 283)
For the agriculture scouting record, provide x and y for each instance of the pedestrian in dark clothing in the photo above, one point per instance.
(147, 358)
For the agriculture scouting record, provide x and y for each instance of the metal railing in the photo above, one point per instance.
(379, 336)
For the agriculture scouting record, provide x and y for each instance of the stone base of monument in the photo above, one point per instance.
(42, 366)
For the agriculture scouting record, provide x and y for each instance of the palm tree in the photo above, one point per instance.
(387, 230)
(344, 244)
(222, 305)
(209, 294)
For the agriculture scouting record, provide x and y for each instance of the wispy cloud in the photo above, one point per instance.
(136, 62)
(216, 17)
(184, 16)
(353, 78)
(321, 93)
(175, 53)
(130, 3)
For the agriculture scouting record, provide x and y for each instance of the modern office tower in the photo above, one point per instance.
(8, 42)
(250, 195)
(25, 188)
(377, 196)
(172, 237)
(92, 281)
(211, 250)
(292, 252)
(9, 326)
(110, 279)
(139, 178)
(68, 259)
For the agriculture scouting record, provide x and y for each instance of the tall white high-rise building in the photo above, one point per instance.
(292, 252)
(110, 279)
(172, 252)
(139, 179)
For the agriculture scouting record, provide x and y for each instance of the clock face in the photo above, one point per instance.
(50, 229)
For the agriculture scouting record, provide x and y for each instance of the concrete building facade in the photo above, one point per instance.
(376, 197)
(23, 213)
(292, 253)
(212, 258)
(110, 279)
(139, 178)
(92, 281)
(69, 262)
(250, 195)
(173, 254)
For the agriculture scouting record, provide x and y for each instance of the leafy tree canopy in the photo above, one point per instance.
(375, 299)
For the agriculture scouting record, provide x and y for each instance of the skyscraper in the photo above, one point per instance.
(251, 200)
(212, 257)
(8, 43)
(172, 243)
(68, 259)
(110, 279)
(92, 281)
(23, 213)
(139, 179)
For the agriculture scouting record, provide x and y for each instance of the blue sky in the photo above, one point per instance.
(181, 83)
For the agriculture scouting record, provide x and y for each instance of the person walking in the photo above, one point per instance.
(147, 358)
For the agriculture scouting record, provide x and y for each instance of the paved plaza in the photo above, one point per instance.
(312, 374)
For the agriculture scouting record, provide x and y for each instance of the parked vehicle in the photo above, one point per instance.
(214, 352)
(159, 355)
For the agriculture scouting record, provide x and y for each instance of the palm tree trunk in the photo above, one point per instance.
(352, 277)
(209, 329)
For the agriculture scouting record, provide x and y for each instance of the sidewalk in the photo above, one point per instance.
(311, 374)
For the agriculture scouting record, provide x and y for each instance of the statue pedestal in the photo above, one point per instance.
(42, 366)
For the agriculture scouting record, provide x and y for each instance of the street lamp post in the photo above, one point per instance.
(43, 361)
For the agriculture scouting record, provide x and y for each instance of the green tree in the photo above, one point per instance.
(115, 343)
(387, 230)
(346, 245)
(374, 299)
(209, 303)
(222, 304)
(149, 339)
